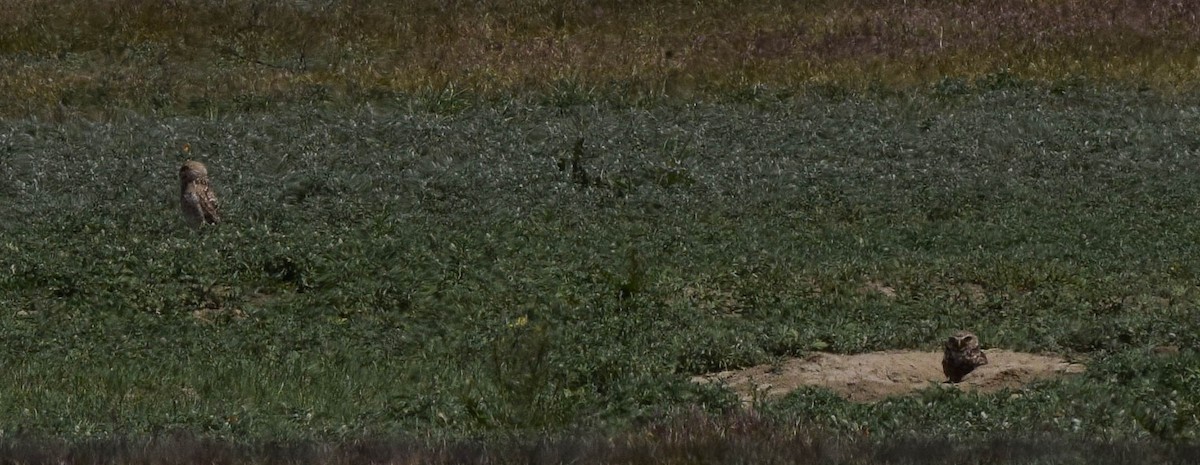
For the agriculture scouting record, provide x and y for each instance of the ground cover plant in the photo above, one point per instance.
(391, 271)
(464, 266)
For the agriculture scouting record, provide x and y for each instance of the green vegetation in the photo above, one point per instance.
(405, 270)
(542, 220)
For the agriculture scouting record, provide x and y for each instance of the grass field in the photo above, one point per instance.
(97, 57)
(469, 267)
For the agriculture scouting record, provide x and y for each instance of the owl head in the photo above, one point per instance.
(962, 340)
(192, 171)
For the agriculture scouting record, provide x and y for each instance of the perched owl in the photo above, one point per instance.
(196, 197)
(962, 356)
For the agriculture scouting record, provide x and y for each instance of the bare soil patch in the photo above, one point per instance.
(878, 375)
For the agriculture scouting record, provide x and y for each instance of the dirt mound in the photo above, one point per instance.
(878, 375)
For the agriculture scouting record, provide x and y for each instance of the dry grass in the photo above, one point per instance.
(197, 55)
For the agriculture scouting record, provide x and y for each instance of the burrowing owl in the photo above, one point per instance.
(962, 355)
(196, 197)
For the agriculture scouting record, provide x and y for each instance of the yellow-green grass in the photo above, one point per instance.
(197, 56)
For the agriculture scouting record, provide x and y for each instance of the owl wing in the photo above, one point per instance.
(208, 204)
(978, 357)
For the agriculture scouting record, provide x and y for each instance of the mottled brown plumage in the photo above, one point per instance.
(962, 355)
(196, 197)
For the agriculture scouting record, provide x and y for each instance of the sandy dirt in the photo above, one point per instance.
(874, 376)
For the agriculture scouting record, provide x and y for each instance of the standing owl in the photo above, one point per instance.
(196, 197)
(962, 355)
